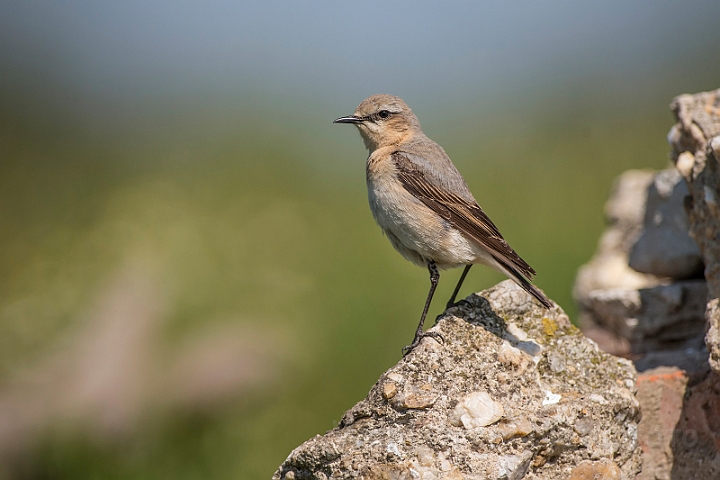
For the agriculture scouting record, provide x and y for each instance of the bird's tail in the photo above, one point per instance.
(524, 283)
(533, 290)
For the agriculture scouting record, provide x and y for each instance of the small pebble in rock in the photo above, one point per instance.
(516, 331)
(426, 455)
(685, 163)
(418, 398)
(557, 362)
(551, 398)
(389, 390)
(476, 410)
(715, 145)
(517, 428)
(584, 426)
(604, 470)
(513, 356)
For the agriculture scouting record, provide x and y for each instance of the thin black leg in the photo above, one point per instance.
(419, 334)
(451, 302)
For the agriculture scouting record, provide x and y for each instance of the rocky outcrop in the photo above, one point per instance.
(687, 407)
(663, 317)
(639, 287)
(695, 142)
(624, 212)
(657, 318)
(515, 391)
(679, 432)
(664, 247)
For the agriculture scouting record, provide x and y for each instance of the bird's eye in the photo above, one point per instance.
(383, 114)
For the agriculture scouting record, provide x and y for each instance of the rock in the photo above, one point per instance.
(608, 341)
(477, 409)
(665, 318)
(697, 134)
(695, 442)
(654, 318)
(514, 467)
(660, 392)
(602, 470)
(712, 339)
(664, 248)
(517, 392)
(624, 212)
(680, 429)
(693, 358)
(630, 312)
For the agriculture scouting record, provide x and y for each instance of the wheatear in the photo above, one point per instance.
(424, 206)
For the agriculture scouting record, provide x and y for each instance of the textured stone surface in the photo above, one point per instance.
(608, 341)
(680, 430)
(601, 470)
(630, 312)
(654, 318)
(696, 440)
(624, 213)
(660, 392)
(695, 141)
(712, 339)
(692, 358)
(514, 392)
(664, 247)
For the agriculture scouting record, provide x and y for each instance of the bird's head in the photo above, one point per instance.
(383, 120)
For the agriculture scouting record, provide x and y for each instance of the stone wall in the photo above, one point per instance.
(651, 294)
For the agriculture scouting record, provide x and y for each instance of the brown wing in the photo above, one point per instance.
(466, 216)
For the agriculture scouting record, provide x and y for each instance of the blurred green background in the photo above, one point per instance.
(191, 283)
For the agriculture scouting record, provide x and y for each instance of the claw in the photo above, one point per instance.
(418, 338)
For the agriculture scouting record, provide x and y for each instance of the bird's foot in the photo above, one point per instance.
(418, 338)
(451, 303)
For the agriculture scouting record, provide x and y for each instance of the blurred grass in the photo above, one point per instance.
(246, 227)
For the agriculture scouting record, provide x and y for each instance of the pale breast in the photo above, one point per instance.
(418, 233)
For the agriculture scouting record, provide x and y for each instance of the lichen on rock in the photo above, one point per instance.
(515, 391)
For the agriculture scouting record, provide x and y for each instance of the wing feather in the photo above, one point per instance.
(465, 215)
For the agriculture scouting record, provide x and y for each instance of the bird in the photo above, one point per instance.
(423, 205)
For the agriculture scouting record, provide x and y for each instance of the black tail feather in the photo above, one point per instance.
(533, 290)
(525, 284)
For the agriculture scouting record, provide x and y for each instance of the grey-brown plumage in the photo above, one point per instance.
(423, 204)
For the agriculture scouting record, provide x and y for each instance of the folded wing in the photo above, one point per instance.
(464, 214)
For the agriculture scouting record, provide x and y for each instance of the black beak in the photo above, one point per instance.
(350, 119)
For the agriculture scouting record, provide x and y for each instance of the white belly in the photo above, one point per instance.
(418, 233)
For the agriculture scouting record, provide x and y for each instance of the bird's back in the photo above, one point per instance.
(435, 165)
